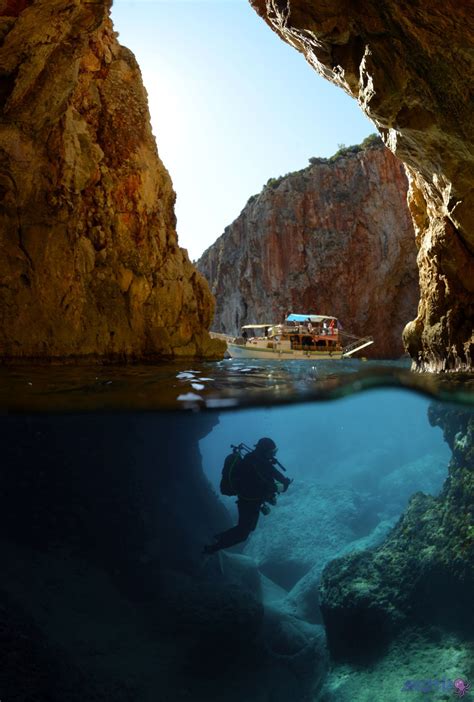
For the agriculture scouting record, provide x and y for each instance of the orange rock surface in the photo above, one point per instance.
(89, 260)
(335, 238)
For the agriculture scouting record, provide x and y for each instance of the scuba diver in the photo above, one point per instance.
(252, 478)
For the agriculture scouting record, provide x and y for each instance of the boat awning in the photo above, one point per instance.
(258, 326)
(311, 317)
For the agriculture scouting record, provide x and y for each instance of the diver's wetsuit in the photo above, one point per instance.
(256, 483)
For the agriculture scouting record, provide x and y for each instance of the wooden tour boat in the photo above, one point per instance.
(313, 337)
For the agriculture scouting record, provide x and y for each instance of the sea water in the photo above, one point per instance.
(109, 490)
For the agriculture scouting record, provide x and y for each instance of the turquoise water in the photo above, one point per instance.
(356, 586)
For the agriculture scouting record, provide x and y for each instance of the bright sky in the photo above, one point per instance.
(231, 106)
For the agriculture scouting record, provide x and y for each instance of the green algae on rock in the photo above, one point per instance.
(422, 575)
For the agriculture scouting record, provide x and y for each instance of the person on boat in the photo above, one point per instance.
(306, 342)
(309, 326)
(245, 335)
(256, 485)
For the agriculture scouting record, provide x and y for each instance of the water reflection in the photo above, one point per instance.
(211, 385)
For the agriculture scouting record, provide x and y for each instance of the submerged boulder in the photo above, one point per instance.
(422, 575)
(310, 523)
(415, 667)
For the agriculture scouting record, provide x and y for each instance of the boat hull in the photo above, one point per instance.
(255, 352)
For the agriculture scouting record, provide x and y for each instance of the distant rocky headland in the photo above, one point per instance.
(335, 238)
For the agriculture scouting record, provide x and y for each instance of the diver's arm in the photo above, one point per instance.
(281, 478)
(276, 475)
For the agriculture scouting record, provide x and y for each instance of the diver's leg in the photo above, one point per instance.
(252, 515)
(248, 517)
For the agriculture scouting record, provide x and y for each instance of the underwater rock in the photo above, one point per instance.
(126, 493)
(219, 619)
(310, 523)
(422, 575)
(103, 523)
(303, 599)
(334, 238)
(425, 474)
(29, 668)
(296, 644)
(410, 68)
(415, 667)
(90, 264)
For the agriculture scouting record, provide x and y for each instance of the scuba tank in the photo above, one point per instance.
(230, 471)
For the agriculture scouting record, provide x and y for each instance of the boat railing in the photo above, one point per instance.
(302, 330)
(359, 343)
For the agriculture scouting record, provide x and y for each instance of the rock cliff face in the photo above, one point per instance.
(89, 260)
(410, 67)
(335, 238)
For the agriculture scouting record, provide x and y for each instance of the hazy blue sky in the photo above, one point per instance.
(231, 106)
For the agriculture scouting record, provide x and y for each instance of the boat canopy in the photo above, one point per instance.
(256, 326)
(312, 317)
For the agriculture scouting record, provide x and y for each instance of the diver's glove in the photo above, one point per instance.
(286, 484)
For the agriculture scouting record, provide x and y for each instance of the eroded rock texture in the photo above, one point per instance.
(423, 574)
(89, 260)
(335, 238)
(410, 67)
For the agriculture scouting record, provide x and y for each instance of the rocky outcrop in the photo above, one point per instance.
(423, 574)
(335, 238)
(410, 68)
(89, 259)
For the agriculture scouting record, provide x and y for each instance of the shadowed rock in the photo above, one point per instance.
(89, 259)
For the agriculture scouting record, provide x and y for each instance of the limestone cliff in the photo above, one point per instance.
(89, 260)
(335, 238)
(410, 67)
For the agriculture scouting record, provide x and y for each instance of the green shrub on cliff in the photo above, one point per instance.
(369, 142)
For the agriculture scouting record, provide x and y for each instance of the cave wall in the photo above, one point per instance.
(89, 259)
(409, 65)
(105, 592)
